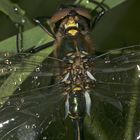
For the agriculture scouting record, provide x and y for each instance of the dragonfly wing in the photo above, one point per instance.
(119, 74)
(24, 63)
(28, 115)
(115, 97)
(36, 102)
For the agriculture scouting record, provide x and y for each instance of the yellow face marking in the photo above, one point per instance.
(72, 32)
(71, 23)
(77, 89)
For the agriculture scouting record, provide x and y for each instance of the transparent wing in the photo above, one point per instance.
(27, 115)
(25, 62)
(38, 69)
(33, 106)
(115, 97)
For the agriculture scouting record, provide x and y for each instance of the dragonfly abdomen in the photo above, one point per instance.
(77, 105)
(78, 81)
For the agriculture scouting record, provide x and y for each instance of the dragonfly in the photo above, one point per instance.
(99, 94)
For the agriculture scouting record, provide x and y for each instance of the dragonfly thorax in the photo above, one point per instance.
(77, 70)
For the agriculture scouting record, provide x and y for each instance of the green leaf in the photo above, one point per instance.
(15, 13)
(17, 78)
(90, 5)
(33, 37)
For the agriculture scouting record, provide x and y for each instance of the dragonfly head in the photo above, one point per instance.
(71, 21)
